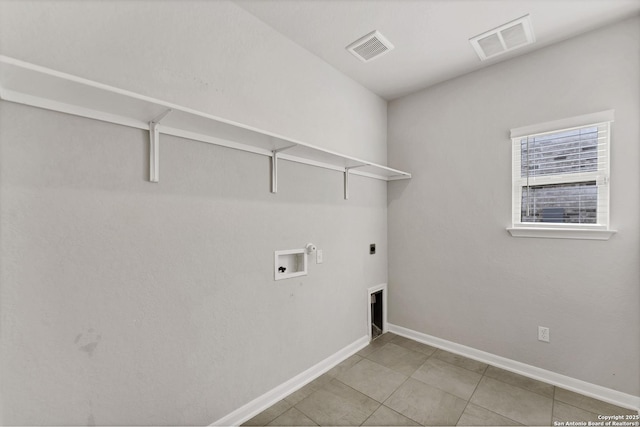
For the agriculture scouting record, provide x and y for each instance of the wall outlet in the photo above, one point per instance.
(543, 334)
(319, 257)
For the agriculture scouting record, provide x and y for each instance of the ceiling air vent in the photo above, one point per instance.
(370, 46)
(504, 38)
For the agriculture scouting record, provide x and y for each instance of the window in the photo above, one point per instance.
(561, 178)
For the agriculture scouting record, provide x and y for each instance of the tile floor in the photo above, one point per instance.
(395, 381)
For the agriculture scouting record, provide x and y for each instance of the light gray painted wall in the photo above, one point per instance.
(212, 56)
(455, 273)
(125, 302)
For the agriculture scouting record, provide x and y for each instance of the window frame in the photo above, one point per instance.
(598, 231)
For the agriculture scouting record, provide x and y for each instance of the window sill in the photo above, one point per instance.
(561, 233)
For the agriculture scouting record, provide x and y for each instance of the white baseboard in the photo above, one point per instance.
(592, 390)
(278, 393)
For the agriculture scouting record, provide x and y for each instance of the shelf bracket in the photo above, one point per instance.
(154, 147)
(346, 180)
(274, 167)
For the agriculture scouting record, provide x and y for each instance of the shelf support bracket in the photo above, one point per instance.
(346, 180)
(154, 147)
(274, 167)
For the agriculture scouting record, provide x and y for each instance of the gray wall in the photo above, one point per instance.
(126, 302)
(455, 273)
(211, 56)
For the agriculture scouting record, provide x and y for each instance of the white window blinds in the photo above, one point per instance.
(561, 173)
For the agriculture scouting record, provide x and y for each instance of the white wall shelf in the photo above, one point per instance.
(33, 85)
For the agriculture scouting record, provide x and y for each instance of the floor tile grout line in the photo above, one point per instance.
(434, 354)
(484, 374)
(481, 373)
(374, 361)
(634, 411)
(346, 385)
(521, 388)
(462, 367)
(524, 376)
(480, 406)
(408, 339)
(371, 414)
(306, 397)
(443, 390)
(396, 389)
(494, 412)
(429, 357)
(578, 407)
(486, 368)
(470, 396)
(383, 366)
(274, 418)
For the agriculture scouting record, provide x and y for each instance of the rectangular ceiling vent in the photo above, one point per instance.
(369, 47)
(503, 39)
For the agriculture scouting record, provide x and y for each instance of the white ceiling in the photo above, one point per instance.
(431, 37)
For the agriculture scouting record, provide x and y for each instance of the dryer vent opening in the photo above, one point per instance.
(377, 314)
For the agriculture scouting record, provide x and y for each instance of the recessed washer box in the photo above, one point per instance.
(290, 263)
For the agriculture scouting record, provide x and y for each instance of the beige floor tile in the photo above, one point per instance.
(426, 404)
(306, 390)
(461, 361)
(590, 404)
(398, 358)
(337, 404)
(292, 417)
(269, 414)
(447, 377)
(344, 366)
(414, 345)
(563, 413)
(373, 346)
(372, 379)
(513, 402)
(520, 381)
(474, 415)
(386, 337)
(377, 344)
(384, 416)
(444, 389)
